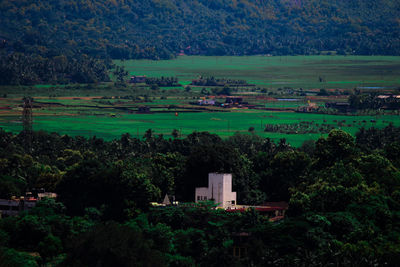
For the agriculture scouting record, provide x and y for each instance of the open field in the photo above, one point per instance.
(108, 111)
(87, 116)
(274, 72)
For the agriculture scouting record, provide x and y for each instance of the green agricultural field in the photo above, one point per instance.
(273, 72)
(108, 125)
(106, 111)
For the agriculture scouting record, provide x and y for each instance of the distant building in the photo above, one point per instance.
(206, 102)
(47, 195)
(219, 190)
(138, 79)
(12, 207)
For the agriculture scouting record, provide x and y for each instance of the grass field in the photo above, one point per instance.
(83, 110)
(274, 72)
(89, 122)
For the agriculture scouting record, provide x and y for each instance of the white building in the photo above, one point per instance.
(219, 189)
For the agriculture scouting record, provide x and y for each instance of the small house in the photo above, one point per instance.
(206, 102)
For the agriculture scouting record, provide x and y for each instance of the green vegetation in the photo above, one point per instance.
(299, 128)
(100, 122)
(63, 41)
(18, 68)
(311, 119)
(343, 196)
(307, 72)
(160, 29)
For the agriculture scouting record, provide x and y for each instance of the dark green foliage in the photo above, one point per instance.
(152, 29)
(12, 258)
(373, 138)
(339, 145)
(111, 244)
(163, 81)
(226, 90)
(373, 102)
(343, 193)
(50, 247)
(285, 170)
(212, 81)
(10, 186)
(299, 128)
(120, 73)
(119, 190)
(25, 69)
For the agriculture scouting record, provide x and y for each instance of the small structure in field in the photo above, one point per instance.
(219, 190)
(311, 107)
(206, 102)
(138, 79)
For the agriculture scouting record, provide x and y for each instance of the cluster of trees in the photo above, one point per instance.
(26, 69)
(324, 92)
(373, 102)
(163, 81)
(303, 127)
(343, 194)
(212, 81)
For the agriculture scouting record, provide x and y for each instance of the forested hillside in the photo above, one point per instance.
(161, 28)
(155, 29)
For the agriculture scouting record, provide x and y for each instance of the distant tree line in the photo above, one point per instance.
(212, 81)
(299, 128)
(24, 69)
(163, 81)
(374, 101)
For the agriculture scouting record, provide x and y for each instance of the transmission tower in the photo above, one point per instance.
(27, 122)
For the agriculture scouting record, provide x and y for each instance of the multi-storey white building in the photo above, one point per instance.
(219, 189)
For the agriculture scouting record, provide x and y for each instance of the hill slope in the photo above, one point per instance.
(162, 28)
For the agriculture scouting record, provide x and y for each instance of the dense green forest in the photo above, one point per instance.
(343, 194)
(48, 32)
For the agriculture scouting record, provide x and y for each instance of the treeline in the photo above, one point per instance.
(343, 195)
(212, 81)
(163, 81)
(25, 69)
(303, 127)
(374, 101)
